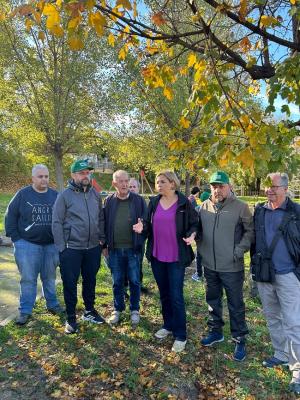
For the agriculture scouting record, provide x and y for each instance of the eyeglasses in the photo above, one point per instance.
(274, 188)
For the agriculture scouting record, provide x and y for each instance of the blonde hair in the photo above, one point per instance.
(171, 176)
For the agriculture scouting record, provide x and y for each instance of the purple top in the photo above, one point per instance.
(165, 247)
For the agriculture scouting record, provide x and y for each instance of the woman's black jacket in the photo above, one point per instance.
(186, 224)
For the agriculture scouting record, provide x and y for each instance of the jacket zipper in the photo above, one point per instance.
(214, 250)
(89, 219)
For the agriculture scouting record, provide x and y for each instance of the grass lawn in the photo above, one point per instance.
(39, 361)
(4, 200)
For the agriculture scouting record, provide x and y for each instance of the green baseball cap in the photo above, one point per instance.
(80, 165)
(219, 177)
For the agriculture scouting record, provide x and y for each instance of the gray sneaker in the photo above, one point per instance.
(135, 317)
(114, 318)
(22, 319)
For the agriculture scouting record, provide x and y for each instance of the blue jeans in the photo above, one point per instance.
(169, 277)
(121, 261)
(32, 260)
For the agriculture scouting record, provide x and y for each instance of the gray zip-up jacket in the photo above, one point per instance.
(78, 218)
(226, 233)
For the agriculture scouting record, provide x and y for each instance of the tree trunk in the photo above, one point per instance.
(187, 184)
(58, 158)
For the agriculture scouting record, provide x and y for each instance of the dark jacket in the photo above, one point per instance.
(78, 220)
(226, 234)
(138, 209)
(186, 224)
(29, 214)
(290, 231)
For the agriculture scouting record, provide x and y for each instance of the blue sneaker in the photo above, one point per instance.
(274, 362)
(239, 351)
(212, 338)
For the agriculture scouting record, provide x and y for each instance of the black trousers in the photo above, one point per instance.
(72, 263)
(232, 282)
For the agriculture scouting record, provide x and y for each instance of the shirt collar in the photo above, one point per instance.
(281, 207)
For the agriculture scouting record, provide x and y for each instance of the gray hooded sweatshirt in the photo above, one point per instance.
(78, 218)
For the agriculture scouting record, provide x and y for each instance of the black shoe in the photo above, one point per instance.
(57, 310)
(71, 327)
(22, 319)
(93, 316)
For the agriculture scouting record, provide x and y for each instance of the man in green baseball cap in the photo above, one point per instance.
(219, 177)
(227, 232)
(79, 234)
(80, 165)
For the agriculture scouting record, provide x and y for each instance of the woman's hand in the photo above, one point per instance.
(138, 227)
(189, 240)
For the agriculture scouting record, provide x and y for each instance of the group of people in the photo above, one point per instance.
(73, 228)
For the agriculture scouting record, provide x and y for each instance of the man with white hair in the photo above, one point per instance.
(28, 223)
(122, 210)
(275, 264)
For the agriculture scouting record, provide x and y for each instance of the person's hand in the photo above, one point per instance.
(138, 227)
(189, 240)
(105, 252)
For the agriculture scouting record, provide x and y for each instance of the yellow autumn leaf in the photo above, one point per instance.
(183, 71)
(90, 4)
(28, 24)
(177, 144)
(125, 4)
(58, 3)
(74, 22)
(57, 30)
(246, 158)
(245, 120)
(98, 21)
(168, 93)
(293, 2)
(192, 59)
(243, 9)
(152, 50)
(111, 40)
(223, 161)
(122, 54)
(135, 11)
(38, 17)
(41, 36)
(75, 43)
(158, 82)
(184, 123)
(267, 21)
(196, 17)
(49, 9)
(2, 16)
(103, 376)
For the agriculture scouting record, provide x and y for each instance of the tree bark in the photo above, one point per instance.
(187, 183)
(58, 158)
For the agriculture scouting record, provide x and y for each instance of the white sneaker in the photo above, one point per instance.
(114, 318)
(135, 317)
(178, 346)
(162, 333)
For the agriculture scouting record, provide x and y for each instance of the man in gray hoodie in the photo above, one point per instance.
(78, 230)
(226, 234)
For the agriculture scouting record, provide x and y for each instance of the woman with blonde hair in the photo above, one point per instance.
(171, 228)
